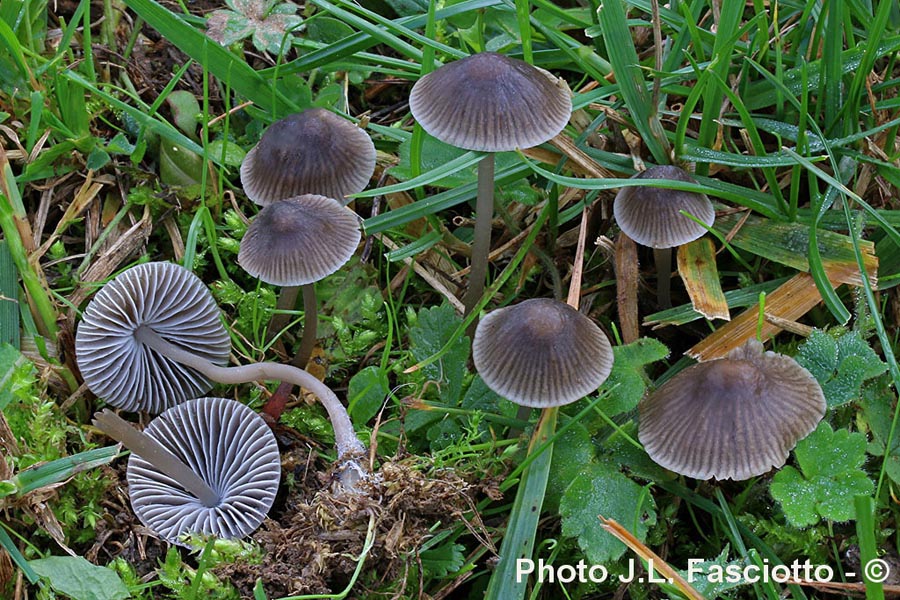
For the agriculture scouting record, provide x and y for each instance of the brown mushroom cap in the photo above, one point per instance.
(491, 103)
(299, 240)
(731, 418)
(650, 216)
(541, 353)
(310, 152)
(174, 303)
(231, 448)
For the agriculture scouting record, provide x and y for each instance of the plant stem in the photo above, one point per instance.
(344, 436)
(156, 454)
(663, 259)
(481, 244)
(287, 300)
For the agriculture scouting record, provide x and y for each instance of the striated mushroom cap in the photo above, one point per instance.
(174, 303)
(491, 103)
(541, 353)
(651, 216)
(299, 240)
(310, 152)
(731, 418)
(231, 448)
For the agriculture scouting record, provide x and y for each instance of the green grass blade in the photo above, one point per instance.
(625, 63)
(9, 545)
(62, 469)
(9, 298)
(521, 529)
(465, 161)
(868, 548)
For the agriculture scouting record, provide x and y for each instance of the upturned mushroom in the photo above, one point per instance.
(652, 217)
(731, 418)
(310, 152)
(131, 342)
(208, 466)
(489, 103)
(541, 353)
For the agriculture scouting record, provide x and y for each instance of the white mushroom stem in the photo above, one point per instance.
(156, 454)
(348, 445)
(481, 243)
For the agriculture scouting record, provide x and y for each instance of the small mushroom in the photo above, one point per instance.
(652, 217)
(731, 418)
(490, 103)
(221, 442)
(123, 322)
(310, 152)
(541, 353)
(300, 240)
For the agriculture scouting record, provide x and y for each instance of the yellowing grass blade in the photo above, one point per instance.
(697, 267)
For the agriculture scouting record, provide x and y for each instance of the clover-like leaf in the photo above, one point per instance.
(627, 382)
(830, 476)
(600, 489)
(267, 21)
(840, 364)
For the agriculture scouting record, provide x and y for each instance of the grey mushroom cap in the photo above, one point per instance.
(299, 240)
(174, 303)
(310, 152)
(731, 418)
(231, 448)
(541, 353)
(651, 216)
(491, 103)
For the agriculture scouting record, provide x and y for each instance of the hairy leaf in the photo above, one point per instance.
(840, 364)
(627, 382)
(828, 479)
(79, 579)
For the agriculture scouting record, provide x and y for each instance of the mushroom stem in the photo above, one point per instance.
(481, 243)
(276, 403)
(663, 259)
(155, 453)
(310, 323)
(344, 436)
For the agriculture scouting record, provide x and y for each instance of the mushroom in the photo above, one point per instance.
(731, 418)
(220, 443)
(296, 242)
(310, 152)
(652, 217)
(129, 343)
(541, 353)
(489, 103)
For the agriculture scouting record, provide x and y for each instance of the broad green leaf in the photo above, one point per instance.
(840, 364)
(79, 579)
(710, 577)
(366, 394)
(878, 414)
(830, 476)
(601, 489)
(226, 153)
(430, 334)
(443, 560)
(178, 165)
(185, 111)
(627, 381)
(572, 450)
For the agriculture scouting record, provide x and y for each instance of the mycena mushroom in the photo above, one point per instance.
(541, 353)
(130, 342)
(206, 466)
(296, 242)
(310, 152)
(489, 103)
(731, 418)
(652, 217)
